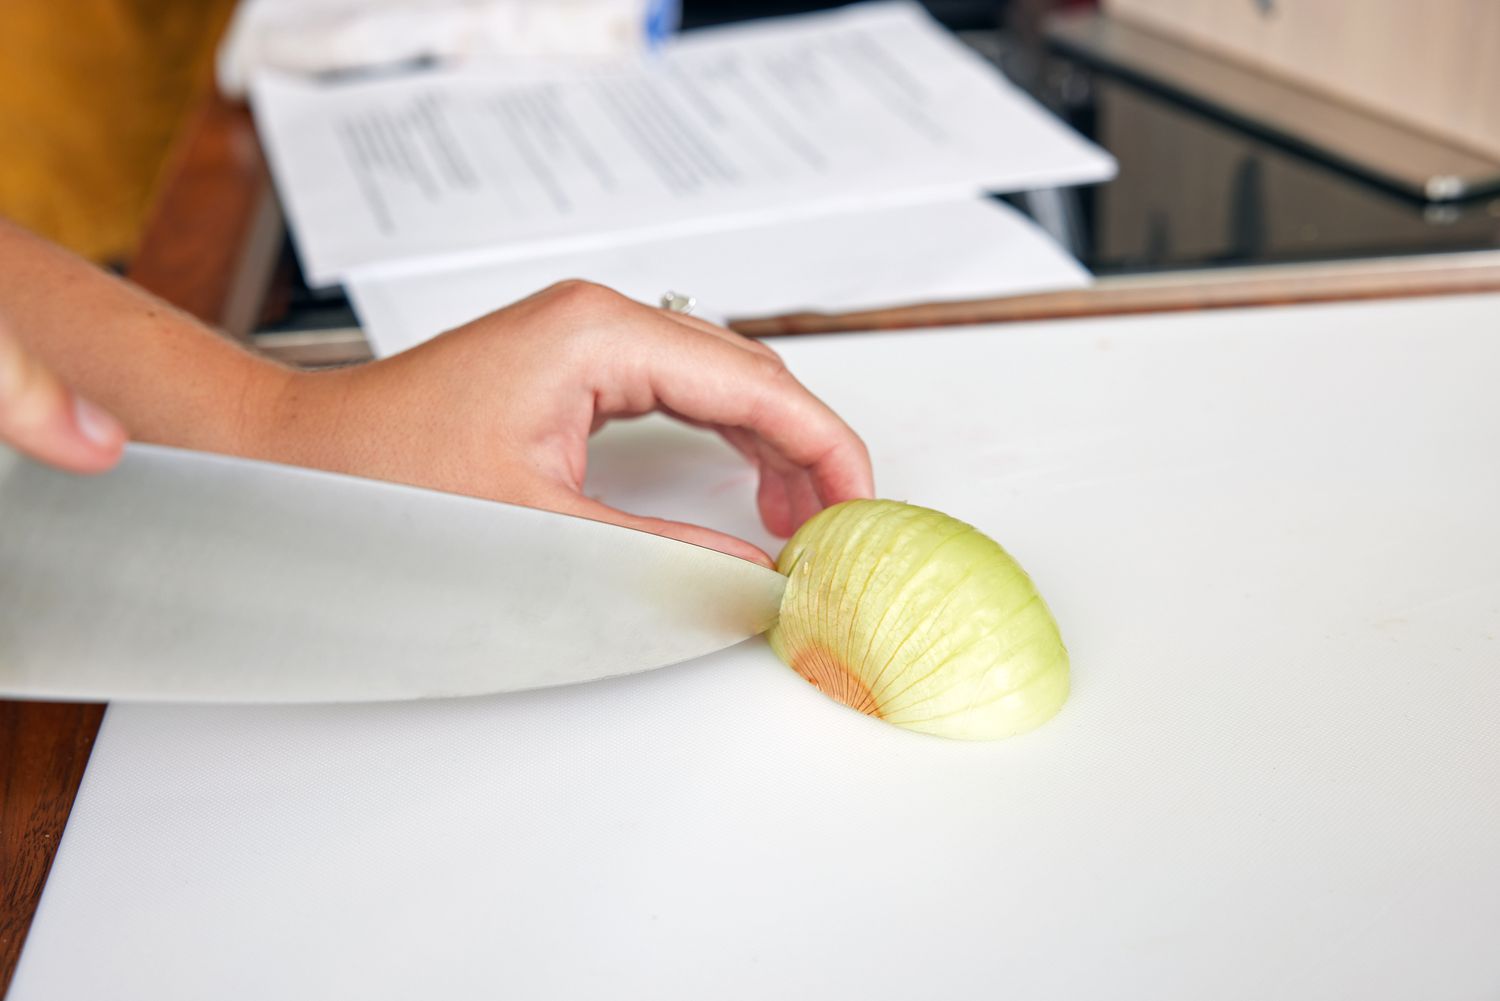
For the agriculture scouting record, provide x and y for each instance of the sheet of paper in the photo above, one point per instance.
(871, 104)
(845, 261)
(1269, 539)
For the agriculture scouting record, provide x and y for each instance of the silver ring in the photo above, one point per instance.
(676, 302)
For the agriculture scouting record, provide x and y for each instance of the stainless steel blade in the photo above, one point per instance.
(181, 576)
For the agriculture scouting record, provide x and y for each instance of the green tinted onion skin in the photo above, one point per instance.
(914, 617)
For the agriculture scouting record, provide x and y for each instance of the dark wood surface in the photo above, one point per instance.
(43, 751)
(210, 248)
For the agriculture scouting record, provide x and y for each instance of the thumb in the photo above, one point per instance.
(42, 418)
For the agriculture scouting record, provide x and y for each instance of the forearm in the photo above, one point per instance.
(500, 408)
(164, 375)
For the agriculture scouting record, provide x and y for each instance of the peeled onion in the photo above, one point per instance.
(909, 615)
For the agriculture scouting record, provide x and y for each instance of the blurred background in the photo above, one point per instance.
(1349, 161)
(91, 94)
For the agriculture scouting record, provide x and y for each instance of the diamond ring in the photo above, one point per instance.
(676, 302)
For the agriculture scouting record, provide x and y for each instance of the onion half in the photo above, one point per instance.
(909, 615)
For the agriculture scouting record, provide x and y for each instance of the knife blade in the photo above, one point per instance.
(188, 577)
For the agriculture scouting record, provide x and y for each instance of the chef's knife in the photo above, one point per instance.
(182, 576)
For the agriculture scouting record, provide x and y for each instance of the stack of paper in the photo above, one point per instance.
(951, 250)
(754, 130)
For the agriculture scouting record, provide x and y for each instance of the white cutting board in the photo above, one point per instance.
(1272, 541)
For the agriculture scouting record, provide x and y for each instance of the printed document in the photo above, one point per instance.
(863, 106)
(829, 263)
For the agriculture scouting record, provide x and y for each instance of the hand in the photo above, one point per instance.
(503, 408)
(42, 418)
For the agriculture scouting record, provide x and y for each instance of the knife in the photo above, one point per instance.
(186, 577)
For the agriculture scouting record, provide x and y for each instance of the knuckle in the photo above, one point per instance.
(769, 351)
(853, 446)
(580, 313)
(861, 450)
(776, 390)
(581, 294)
(774, 372)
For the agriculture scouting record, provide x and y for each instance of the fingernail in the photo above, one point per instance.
(95, 424)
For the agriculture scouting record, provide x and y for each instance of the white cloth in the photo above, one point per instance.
(328, 36)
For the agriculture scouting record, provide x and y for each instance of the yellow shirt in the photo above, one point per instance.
(91, 94)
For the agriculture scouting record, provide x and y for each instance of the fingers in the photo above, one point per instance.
(803, 500)
(723, 333)
(625, 359)
(786, 496)
(711, 380)
(789, 493)
(775, 503)
(585, 507)
(39, 416)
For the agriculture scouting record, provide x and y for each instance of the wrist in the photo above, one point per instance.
(284, 416)
(258, 431)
